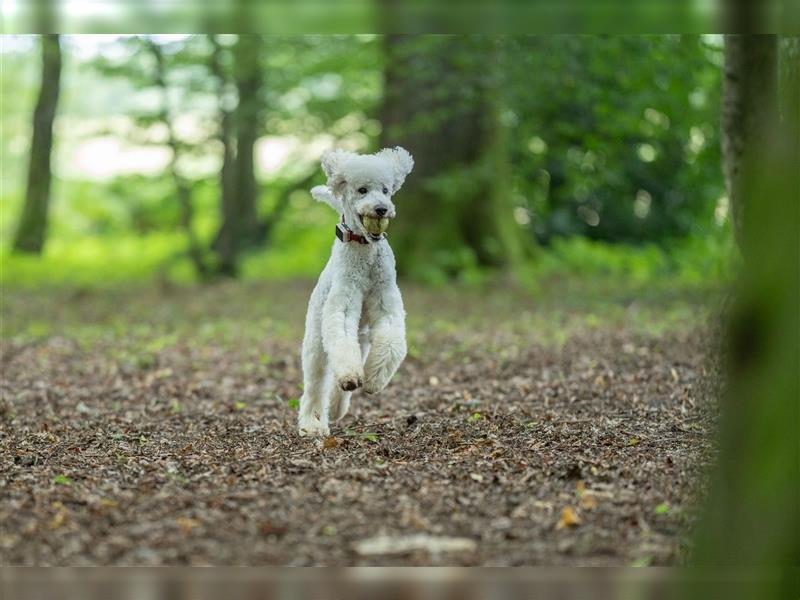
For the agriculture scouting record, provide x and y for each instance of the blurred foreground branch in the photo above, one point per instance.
(753, 516)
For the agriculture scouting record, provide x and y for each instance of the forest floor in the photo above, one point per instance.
(157, 426)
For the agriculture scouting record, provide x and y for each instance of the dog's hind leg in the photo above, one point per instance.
(340, 400)
(313, 417)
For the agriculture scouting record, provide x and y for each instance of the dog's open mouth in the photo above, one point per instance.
(374, 226)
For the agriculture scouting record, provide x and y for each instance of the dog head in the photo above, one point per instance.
(362, 185)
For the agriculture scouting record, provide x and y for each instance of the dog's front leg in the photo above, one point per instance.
(388, 336)
(340, 318)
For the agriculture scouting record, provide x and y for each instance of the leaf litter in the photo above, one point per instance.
(497, 443)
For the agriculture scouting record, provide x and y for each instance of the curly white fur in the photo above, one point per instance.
(355, 326)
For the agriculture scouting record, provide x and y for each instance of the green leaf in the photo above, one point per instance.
(642, 562)
(62, 480)
(367, 435)
(294, 403)
(662, 509)
(239, 405)
(634, 441)
(476, 416)
(265, 359)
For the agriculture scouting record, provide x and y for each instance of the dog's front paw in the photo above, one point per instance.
(374, 385)
(377, 376)
(350, 382)
(311, 425)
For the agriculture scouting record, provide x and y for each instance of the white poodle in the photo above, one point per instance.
(355, 326)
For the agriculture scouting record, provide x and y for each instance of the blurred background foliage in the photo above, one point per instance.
(190, 156)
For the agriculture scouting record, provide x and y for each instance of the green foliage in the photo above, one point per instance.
(615, 136)
(692, 261)
(582, 118)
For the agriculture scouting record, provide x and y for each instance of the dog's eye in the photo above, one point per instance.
(362, 190)
(385, 190)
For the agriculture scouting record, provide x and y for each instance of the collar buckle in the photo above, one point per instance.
(345, 235)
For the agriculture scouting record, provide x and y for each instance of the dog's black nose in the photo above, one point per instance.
(381, 211)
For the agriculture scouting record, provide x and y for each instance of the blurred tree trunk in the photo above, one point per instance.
(749, 98)
(225, 242)
(441, 104)
(753, 515)
(248, 120)
(239, 131)
(32, 228)
(182, 186)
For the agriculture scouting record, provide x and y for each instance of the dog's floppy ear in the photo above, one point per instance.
(332, 161)
(401, 162)
(322, 193)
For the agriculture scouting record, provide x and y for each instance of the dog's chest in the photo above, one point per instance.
(368, 270)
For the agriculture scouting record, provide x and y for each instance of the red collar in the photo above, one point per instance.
(345, 234)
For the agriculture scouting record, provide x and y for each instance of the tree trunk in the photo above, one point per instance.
(749, 100)
(225, 241)
(248, 118)
(182, 187)
(32, 226)
(240, 226)
(441, 104)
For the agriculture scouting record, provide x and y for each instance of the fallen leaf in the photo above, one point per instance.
(434, 380)
(662, 509)
(272, 528)
(186, 525)
(58, 519)
(476, 477)
(330, 442)
(568, 518)
(634, 441)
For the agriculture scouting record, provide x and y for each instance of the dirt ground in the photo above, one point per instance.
(157, 427)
